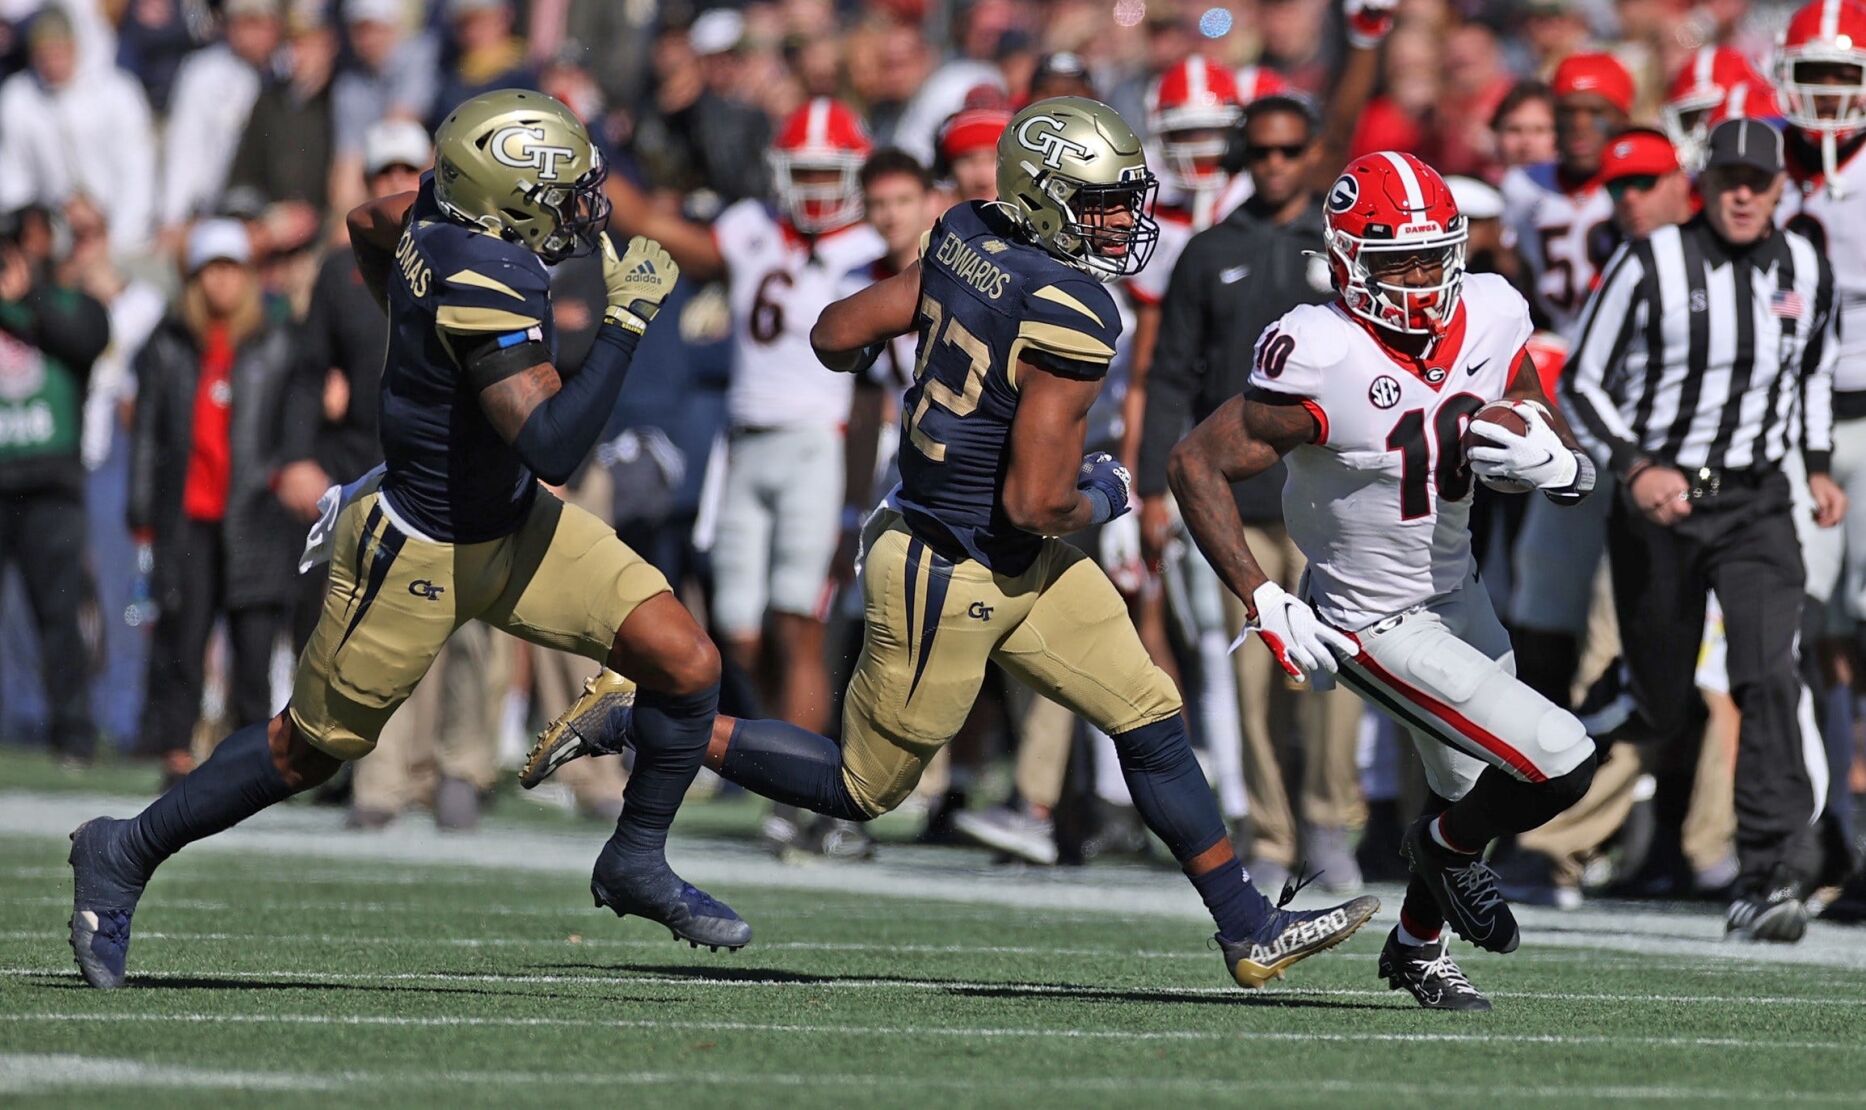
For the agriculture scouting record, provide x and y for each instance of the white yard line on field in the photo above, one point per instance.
(32, 1073)
(925, 1031)
(797, 981)
(29, 1073)
(304, 833)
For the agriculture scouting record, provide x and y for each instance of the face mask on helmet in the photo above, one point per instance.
(581, 210)
(1106, 228)
(1194, 157)
(819, 192)
(1410, 287)
(1824, 94)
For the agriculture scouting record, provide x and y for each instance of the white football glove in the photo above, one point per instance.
(1294, 634)
(1120, 553)
(1537, 457)
(1369, 21)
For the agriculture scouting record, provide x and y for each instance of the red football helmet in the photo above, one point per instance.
(1820, 66)
(1703, 86)
(816, 166)
(1256, 82)
(1390, 215)
(1190, 109)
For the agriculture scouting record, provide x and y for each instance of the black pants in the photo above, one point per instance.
(177, 656)
(1741, 543)
(42, 532)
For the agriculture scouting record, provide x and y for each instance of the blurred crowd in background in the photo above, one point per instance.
(203, 362)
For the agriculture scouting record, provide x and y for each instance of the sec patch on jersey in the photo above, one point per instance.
(1504, 415)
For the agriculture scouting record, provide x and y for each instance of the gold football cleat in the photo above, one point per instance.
(1299, 935)
(595, 724)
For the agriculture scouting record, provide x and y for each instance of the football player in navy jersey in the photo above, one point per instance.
(959, 567)
(455, 525)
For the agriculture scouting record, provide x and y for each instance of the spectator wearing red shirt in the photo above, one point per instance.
(211, 386)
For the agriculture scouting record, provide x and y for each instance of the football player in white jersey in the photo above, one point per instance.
(1369, 398)
(1821, 75)
(780, 517)
(1562, 219)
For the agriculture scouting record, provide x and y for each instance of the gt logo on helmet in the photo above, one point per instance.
(1050, 144)
(1345, 192)
(523, 148)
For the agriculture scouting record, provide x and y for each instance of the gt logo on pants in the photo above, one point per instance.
(979, 611)
(421, 587)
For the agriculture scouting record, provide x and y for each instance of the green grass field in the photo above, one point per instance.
(296, 964)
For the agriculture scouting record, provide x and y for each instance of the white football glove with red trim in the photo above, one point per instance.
(1369, 21)
(1294, 634)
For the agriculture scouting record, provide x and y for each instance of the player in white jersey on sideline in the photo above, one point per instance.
(781, 513)
(1562, 219)
(1369, 398)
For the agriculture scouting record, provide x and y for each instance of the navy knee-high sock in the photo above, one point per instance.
(670, 733)
(791, 765)
(237, 781)
(1170, 792)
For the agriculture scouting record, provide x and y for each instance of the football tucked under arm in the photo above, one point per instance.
(1522, 443)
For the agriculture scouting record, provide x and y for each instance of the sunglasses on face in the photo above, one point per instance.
(1638, 182)
(1289, 151)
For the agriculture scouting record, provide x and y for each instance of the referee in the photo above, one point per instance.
(1704, 356)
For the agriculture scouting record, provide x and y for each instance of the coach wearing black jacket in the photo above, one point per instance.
(1233, 281)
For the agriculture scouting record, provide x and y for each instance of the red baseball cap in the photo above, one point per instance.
(971, 130)
(1601, 74)
(1637, 152)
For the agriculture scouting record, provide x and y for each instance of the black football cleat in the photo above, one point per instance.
(595, 724)
(688, 912)
(1291, 936)
(105, 890)
(1777, 914)
(1427, 970)
(1465, 889)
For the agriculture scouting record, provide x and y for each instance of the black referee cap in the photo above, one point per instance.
(1745, 142)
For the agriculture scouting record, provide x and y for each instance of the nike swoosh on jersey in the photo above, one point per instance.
(1476, 366)
(1234, 275)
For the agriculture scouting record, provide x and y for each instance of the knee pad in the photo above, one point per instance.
(1153, 747)
(1569, 787)
(1561, 744)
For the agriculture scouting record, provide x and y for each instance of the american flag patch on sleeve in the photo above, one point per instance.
(1788, 304)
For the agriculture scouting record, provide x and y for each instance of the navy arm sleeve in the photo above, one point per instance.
(560, 432)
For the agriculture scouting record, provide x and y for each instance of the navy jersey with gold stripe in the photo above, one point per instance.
(987, 301)
(453, 287)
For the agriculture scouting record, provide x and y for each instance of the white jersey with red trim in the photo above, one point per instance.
(1563, 235)
(1836, 225)
(1381, 502)
(778, 283)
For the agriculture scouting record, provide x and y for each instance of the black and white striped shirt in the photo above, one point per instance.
(1693, 353)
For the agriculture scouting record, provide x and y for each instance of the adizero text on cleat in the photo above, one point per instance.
(1465, 889)
(1291, 936)
(595, 724)
(1427, 970)
(105, 890)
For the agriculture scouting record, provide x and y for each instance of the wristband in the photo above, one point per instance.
(623, 318)
(1101, 510)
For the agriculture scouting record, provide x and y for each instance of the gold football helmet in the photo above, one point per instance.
(520, 164)
(1072, 171)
